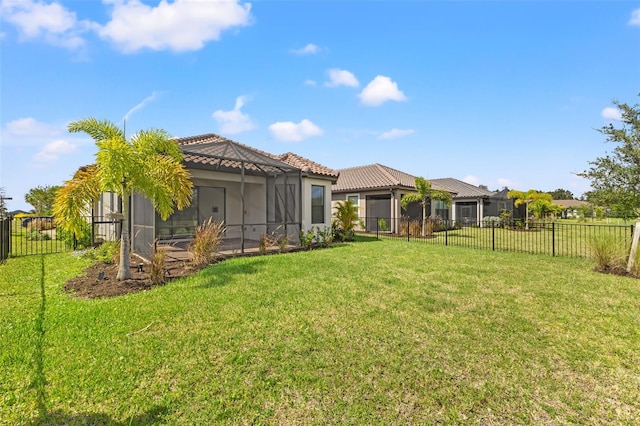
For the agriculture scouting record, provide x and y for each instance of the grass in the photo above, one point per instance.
(373, 332)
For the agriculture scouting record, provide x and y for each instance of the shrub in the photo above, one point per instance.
(106, 252)
(34, 234)
(158, 263)
(415, 228)
(609, 255)
(83, 241)
(382, 225)
(306, 238)
(207, 241)
(345, 220)
(492, 222)
(41, 223)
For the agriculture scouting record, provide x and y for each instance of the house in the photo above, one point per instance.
(252, 191)
(571, 207)
(472, 203)
(377, 190)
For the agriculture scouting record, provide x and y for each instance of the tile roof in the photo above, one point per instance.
(217, 151)
(462, 189)
(570, 203)
(306, 165)
(375, 176)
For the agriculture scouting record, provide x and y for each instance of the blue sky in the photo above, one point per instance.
(499, 93)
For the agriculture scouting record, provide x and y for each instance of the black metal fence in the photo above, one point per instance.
(537, 237)
(39, 235)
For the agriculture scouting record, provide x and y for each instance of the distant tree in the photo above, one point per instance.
(150, 164)
(3, 202)
(485, 187)
(615, 178)
(561, 194)
(423, 194)
(41, 198)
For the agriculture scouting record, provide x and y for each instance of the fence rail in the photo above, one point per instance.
(551, 238)
(39, 235)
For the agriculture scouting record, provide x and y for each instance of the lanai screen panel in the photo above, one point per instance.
(142, 226)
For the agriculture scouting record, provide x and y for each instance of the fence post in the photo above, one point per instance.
(377, 230)
(446, 235)
(493, 236)
(553, 238)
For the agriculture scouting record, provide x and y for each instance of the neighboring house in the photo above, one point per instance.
(571, 207)
(377, 190)
(471, 203)
(252, 191)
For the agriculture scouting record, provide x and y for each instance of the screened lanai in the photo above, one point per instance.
(251, 191)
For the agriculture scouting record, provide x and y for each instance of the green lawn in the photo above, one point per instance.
(374, 332)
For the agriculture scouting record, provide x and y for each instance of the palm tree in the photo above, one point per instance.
(541, 199)
(423, 194)
(150, 163)
(346, 219)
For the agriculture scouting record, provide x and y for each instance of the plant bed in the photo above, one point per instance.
(99, 280)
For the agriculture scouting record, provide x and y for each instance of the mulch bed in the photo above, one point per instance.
(99, 280)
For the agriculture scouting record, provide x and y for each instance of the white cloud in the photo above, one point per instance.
(29, 127)
(289, 131)
(53, 150)
(310, 83)
(51, 21)
(338, 77)
(234, 121)
(473, 180)
(611, 113)
(635, 18)
(396, 133)
(380, 90)
(181, 25)
(309, 49)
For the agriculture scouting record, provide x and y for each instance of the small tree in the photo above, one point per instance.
(150, 164)
(42, 198)
(345, 220)
(539, 203)
(615, 178)
(423, 194)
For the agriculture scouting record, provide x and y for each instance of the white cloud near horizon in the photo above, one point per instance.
(288, 131)
(29, 127)
(380, 90)
(309, 49)
(396, 133)
(181, 25)
(52, 22)
(635, 18)
(611, 113)
(471, 179)
(234, 121)
(52, 151)
(338, 77)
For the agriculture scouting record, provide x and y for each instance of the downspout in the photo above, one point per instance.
(300, 202)
(242, 208)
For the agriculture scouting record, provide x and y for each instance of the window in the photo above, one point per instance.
(442, 210)
(355, 200)
(317, 204)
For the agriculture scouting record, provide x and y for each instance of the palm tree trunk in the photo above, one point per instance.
(124, 268)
